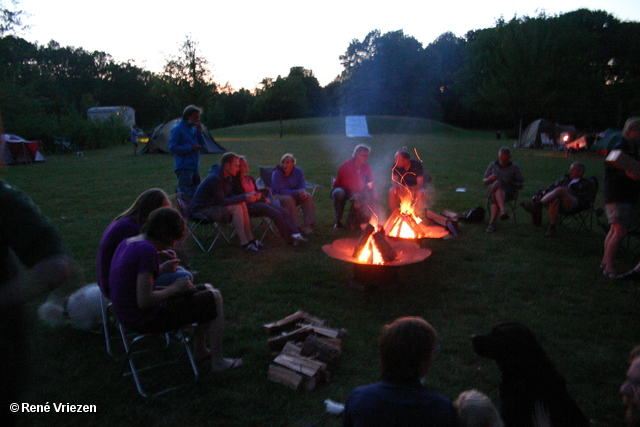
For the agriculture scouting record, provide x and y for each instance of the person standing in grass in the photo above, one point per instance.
(621, 193)
(408, 347)
(33, 262)
(144, 308)
(407, 180)
(185, 142)
(503, 179)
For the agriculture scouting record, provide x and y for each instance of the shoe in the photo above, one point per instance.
(611, 274)
(338, 225)
(250, 247)
(629, 275)
(298, 238)
(551, 231)
(504, 215)
(491, 228)
(258, 244)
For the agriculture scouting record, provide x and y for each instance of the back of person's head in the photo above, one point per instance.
(504, 150)
(228, 157)
(288, 156)
(359, 148)
(165, 225)
(475, 409)
(580, 166)
(632, 124)
(406, 349)
(404, 153)
(144, 204)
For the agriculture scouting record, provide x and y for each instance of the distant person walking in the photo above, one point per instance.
(135, 138)
(185, 142)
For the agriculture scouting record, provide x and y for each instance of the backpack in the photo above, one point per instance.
(475, 215)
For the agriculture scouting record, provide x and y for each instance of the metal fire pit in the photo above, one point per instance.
(376, 276)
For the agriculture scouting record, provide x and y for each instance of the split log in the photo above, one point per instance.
(364, 238)
(326, 353)
(278, 343)
(385, 249)
(282, 375)
(291, 321)
(438, 219)
(302, 365)
(329, 332)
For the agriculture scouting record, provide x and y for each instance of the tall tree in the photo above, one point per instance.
(387, 74)
(10, 17)
(186, 78)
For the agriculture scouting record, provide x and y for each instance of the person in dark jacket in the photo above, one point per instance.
(214, 198)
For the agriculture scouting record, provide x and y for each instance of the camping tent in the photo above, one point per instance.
(580, 144)
(159, 140)
(606, 140)
(542, 133)
(19, 151)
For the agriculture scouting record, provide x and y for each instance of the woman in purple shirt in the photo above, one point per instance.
(288, 186)
(144, 308)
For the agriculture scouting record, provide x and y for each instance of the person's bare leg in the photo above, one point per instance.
(617, 232)
(215, 329)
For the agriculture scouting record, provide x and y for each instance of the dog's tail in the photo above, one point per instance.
(54, 311)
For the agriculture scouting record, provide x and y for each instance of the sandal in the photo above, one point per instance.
(504, 215)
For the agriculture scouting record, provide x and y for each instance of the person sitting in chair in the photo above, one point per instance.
(263, 206)
(569, 195)
(214, 198)
(503, 179)
(288, 186)
(408, 176)
(355, 183)
(143, 308)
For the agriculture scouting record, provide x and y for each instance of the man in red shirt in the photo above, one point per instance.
(355, 182)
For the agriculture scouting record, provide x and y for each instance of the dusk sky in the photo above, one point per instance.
(248, 40)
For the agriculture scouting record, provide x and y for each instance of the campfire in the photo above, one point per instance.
(375, 258)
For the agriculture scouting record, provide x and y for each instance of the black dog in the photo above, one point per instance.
(529, 381)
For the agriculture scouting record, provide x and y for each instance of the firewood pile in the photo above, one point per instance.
(307, 350)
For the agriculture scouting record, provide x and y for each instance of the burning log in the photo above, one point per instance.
(403, 225)
(364, 239)
(385, 249)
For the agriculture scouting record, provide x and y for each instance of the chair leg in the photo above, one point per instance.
(135, 370)
(104, 307)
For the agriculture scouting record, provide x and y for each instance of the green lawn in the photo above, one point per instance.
(469, 284)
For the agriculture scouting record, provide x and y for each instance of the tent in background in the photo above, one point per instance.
(159, 140)
(18, 151)
(542, 133)
(606, 140)
(356, 126)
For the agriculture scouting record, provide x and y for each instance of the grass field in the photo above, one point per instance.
(469, 284)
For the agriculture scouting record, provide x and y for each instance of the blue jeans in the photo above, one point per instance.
(188, 181)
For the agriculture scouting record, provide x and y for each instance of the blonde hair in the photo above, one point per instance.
(475, 409)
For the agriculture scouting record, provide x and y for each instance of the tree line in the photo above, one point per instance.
(580, 68)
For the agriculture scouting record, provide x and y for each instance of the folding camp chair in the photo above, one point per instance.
(582, 219)
(147, 352)
(105, 305)
(510, 206)
(204, 231)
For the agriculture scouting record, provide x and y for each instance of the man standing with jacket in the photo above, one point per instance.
(185, 142)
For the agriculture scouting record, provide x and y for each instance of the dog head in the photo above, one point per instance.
(507, 341)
